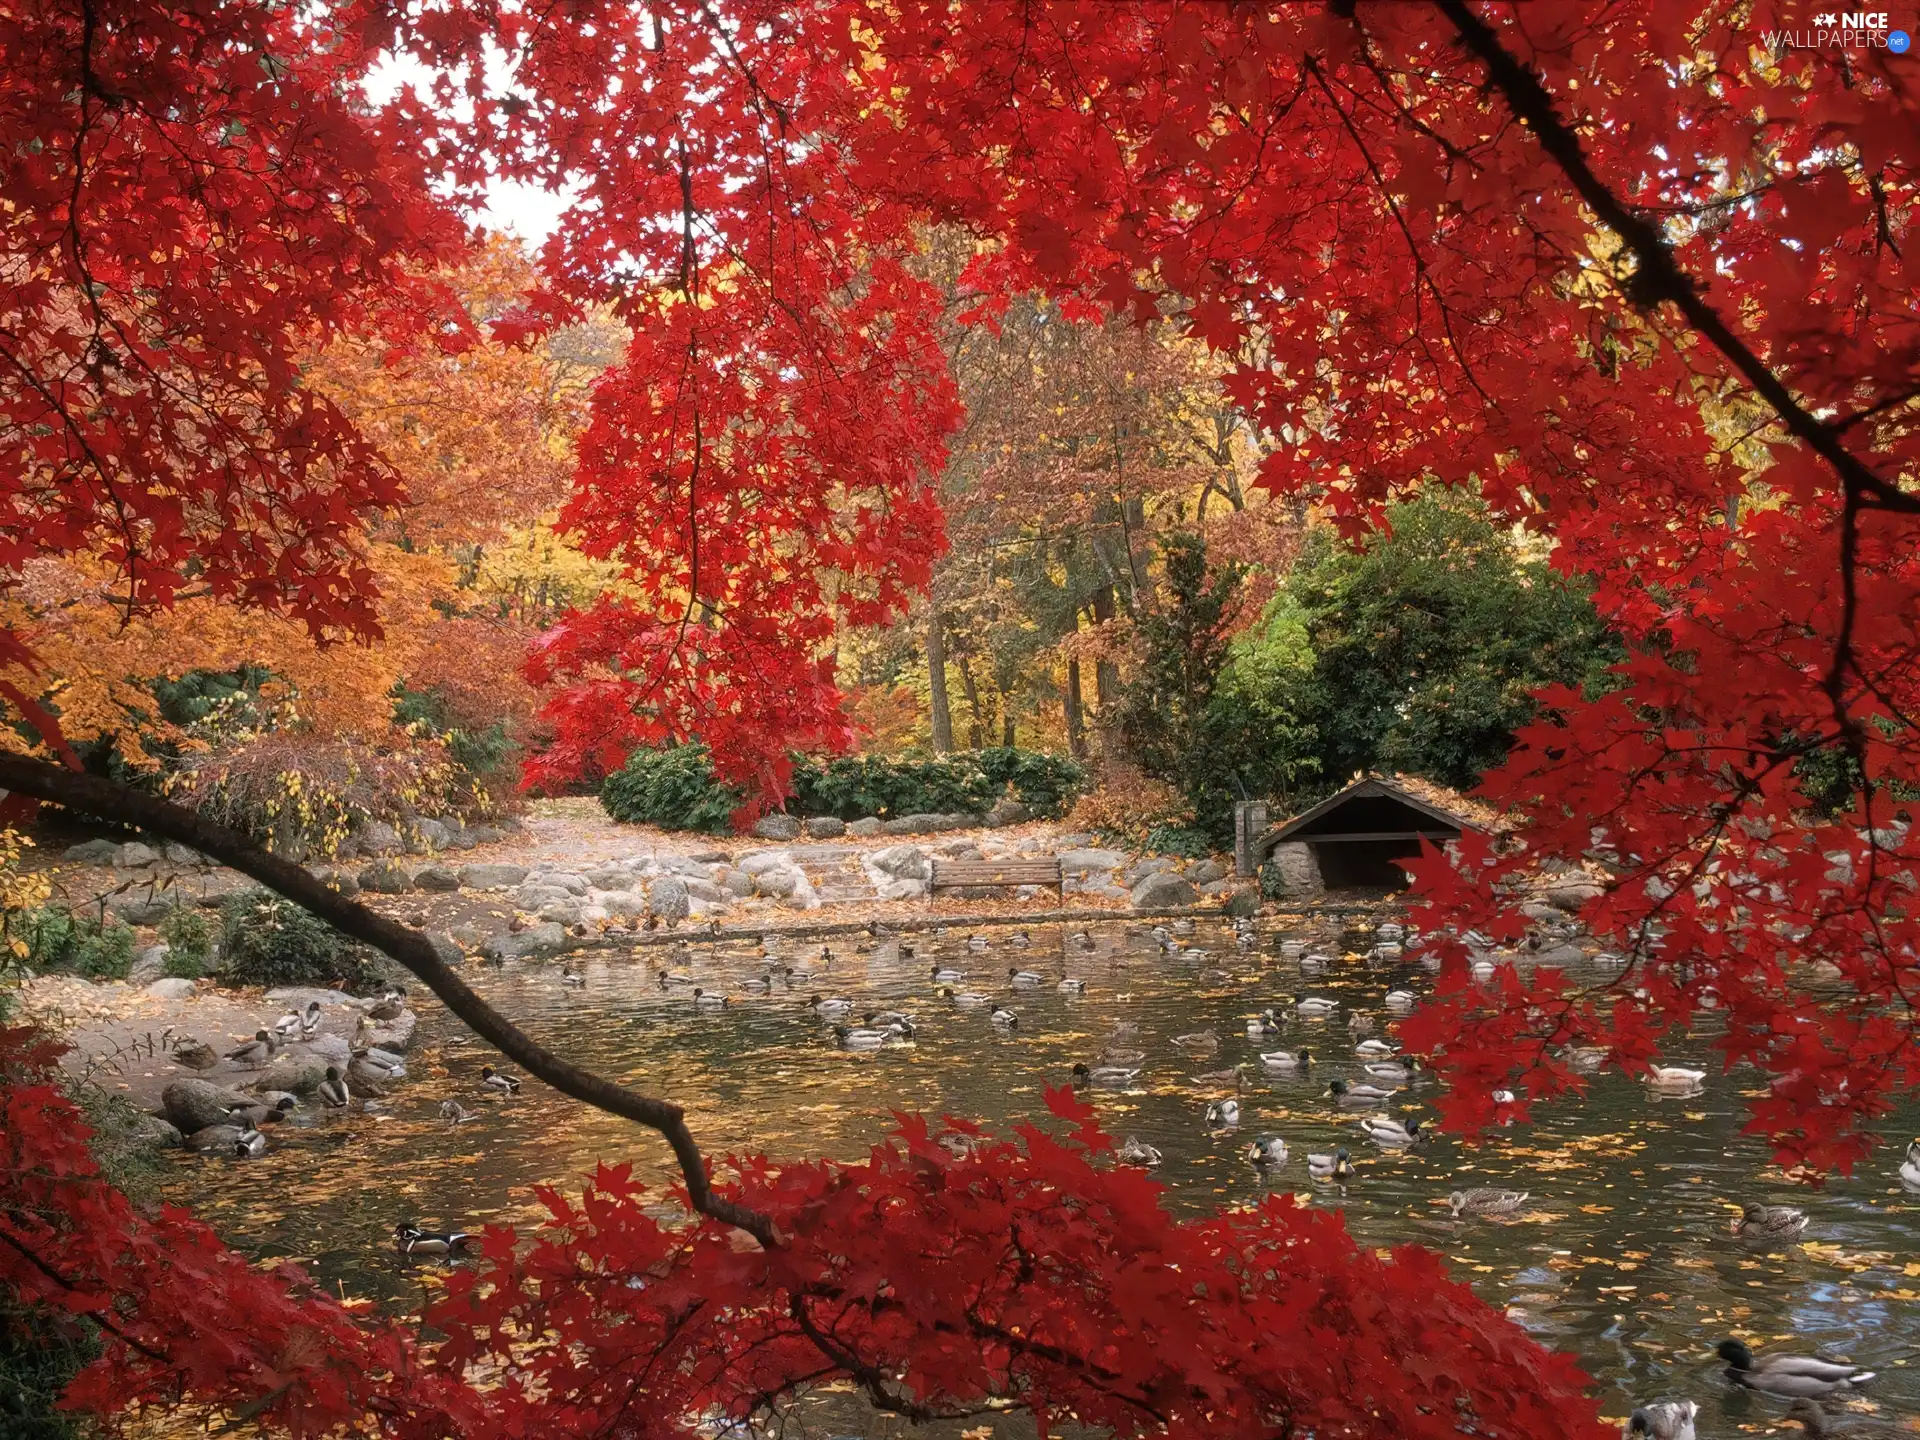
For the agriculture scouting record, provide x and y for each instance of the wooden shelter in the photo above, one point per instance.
(1352, 839)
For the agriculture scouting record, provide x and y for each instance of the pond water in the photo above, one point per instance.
(1622, 1256)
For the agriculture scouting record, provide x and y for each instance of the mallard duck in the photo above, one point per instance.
(978, 943)
(1485, 1202)
(1788, 1375)
(1481, 970)
(1383, 954)
(1292, 949)
(863, 1038)
(1200, 1042)
(1116, 1077)
(708, 1000)
(1004, 1019)
(256, 1116)
(571, 976)
(333, 1090)
(391, 1004)
(1024, 979)
(1080, 940)
(1311, 1005)
(672, 978)
(1286, 1059)
(1910, 1167)
(836, 1008)
(1662, 1420)
(1312, 964)
(1236, 1077)
(1585, 1059)
(1135, 1152)
(411, 1240)
(1122, 1055)
(1401, 1000)
(1394, 1072)
(1224, 1113)
(1265, 1023)
(1020, 940)
(1373, 1049)
(1394, 1134)
(758, 985)
(1674, 1077)
(454, 1113)
(1345, 1094)
(1246, 939)
(1390, 932)
(898, 1021)
(1822, 1426)
(1770, 1224)
(1072, 986)
(255, 1052)
(195, 1055)
(1267, 1151)
(303, 1023)
(494, 1080)
(966, 999)
(392, 1066)
(1330, 1167)
(1359, 1023)
(947, 975)
(248, 1143)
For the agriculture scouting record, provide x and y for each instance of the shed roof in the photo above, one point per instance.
(1448, 809)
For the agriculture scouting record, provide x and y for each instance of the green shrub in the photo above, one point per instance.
(1182, 840)
(189, 937)
(674, 788)
(267, 940)
(85, 945)
(1046, 784)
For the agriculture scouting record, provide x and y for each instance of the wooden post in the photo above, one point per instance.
(1249, 824)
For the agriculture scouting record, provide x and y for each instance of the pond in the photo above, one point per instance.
(1622, 1256)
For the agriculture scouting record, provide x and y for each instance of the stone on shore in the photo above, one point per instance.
(1161, 891)
(191, 1105)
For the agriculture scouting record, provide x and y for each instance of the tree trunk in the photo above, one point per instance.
(1006, 727)
(976, 723)
(1076, 713)
(941, 711)
(1106, 675)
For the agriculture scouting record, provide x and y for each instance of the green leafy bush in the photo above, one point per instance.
(267, 940)
(1046, 784)
(189, 937)
(674, 788)
(85, 945)
(1182, 840)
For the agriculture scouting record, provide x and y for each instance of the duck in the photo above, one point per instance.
(898, 1021)
(1674, 1077)
(1021, 940)
(299, 1022)
(1383, 954)
(1373, 1049)
(1359, 1023)
(947, 975)
(836, 1008)
(1395, 1072)
(411, 1240)
(1485, 1202)
(571, 976)
(1314, 1005)
(1663, 1420)
(391, 1066)
(1585, 1059)
(1292, 949)
(1116, 1077)
(1265, 1023)
(796, 976)
(978, 943)
(1004, 1019)
(1268, 1152)
(1910, 1167)
(1071, 985)
(1024, 979)
(1247, 939)
(333, 1090)
(1135, 1152)
(1201, 1042)
(671, 978)
(1788, 1375)
(255, 1052)
(1393, 1134)
(1224, 1113)
(249, 1143)
(494, 1080)
(864, 1038)
(1389, 932)
(1481, 970)
(1330, 1167)
(1770, 1224)
(454, 1113)
(1122, 1055)
(195, 1055)
(1080, 940)
(391, 1004)
(1286, 1059)
(1821, 1426)
(759, 985)
(1236, 1077)
(1346, 1094)
(1314, 963)
(254, 1116)
(707, 1000)
(1400, 1000)
(967, 999)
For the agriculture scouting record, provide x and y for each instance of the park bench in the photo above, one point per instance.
(970, 874)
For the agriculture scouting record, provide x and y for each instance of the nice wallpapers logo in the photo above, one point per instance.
(1842, 30)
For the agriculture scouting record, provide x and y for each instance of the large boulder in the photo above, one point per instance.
(776, 827)
(437, 878)
(1242, 904)
(760, 861)
(376, 837)
(298, 997)
(534, 940)
(1008, 811)
(486, 834)
(567, 911)
(1162, 890)
(152, 1132)
(531, 896)
(433, 834)
(1569, 897)
(1205, 872)
(297, 1070)
(334, 1049)
(395, 1034)
(738, 884)
(669, 899)
(492, 877)
(705, 890)
(689, 866)
(191, 1105)
(779, 882)
(902, 862)
(1079, 862)
(182, 855)
(135, 856)
(611, 878)
(864, 828)
(825, 827)
(918, 824)
(385, 877)
(92, 852)
(1153, 865)
(623, 904)
(149, 964)
(172, 989)
(142, 909)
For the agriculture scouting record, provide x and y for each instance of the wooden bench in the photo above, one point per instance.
(966, 874)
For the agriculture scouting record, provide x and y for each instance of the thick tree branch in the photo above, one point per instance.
(406, 946)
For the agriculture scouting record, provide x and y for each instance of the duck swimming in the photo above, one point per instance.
(1674, 1077)
(571, 976)
(1267, 1151)
(494, 1080)
(1485, 1202)
(1201, 1042)
(1004, 1019)
(1392, 1071)
(1345, 1094)
(1373, 1049)
(1393, 1134)
(1135, 1152)
(248, 1143)
(1224, 1113)
(1024, 979)
(1286, 1059)
(1114, 1076)
(862, 1039)
(411, 1240)
(1330, 1167)
(1910, 1167)
(1314, 1005)
(1663, 1420)
(1788, 1375)
(837, 1008)
(966, 999)
(1770, 1224)
(707, 1000)
(1265, 1023)
(1071, 986)
(947, 975)
(1400, 1000)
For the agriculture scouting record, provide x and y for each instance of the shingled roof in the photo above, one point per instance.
(1447, 807)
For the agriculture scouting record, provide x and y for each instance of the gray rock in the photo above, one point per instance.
(565, 911)
(92, 852)
(613, 879)
(492, 877)
(709, 857)
(297, 997)
(195, 1104)
(1570, 898)
(624, 903)
(902, 862)
(776, 827)
(738, 884)
(376, 837)
(1216, 887)
(445, 946)
(687, 866)
(461, 839)
(133, 855)
(211, 1139)
(863, 829)
(566, 880)
(433, 834)
(534, 940)
(1079, 862)
(1157, 891)
(333, 1049)
(759, 861)
(396, 1034)
(152, 1132)
(778, 883)
(1205, 872)
(181, 855)
(386, 877)
(532, 897)
(1074, 840)
(825, 827)
(149, 964)
(347, 848)
(705, 890)
(172, 989)
(669, 899)
(1540, 910)
(142, 911)
(438, 878)
(923, 824)
(1008, 811)
(958, 850)
(1153, 865)
(344, 881)
(486, 834)
(467, 936)
(297, 1070)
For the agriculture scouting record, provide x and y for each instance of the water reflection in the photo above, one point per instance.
(1622, 1253)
